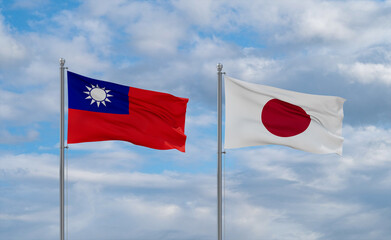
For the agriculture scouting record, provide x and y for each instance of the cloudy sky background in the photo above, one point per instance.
(118, 191)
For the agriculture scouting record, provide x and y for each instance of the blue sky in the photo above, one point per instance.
(121, 191)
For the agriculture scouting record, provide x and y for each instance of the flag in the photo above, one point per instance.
(262, 115)
(100, 111)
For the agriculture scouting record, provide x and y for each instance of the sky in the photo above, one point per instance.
(117, 190)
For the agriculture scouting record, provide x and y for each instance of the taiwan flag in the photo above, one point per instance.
(100, 111)
(260, 115)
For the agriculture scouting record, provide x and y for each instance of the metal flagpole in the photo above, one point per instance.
(62, 68)
(219, 151)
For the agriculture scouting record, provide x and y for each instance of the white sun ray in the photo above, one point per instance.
(98, 95)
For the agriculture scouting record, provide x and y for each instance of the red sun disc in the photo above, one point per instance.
(284, 119)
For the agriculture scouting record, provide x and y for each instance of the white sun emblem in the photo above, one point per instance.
(98, 95)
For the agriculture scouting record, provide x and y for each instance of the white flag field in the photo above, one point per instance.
(262, 115)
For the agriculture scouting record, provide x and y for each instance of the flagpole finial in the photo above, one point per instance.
(219, 67)
(62, 61)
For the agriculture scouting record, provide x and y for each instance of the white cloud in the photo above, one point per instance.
(323, 21)
(29, 166)
(114, 8)
(207, 14)
(156, 32)
(76, 51)
(204, 120)
(304, 191)
(44, 216)
(257, 222)
(10, 48)
(152, 29)
(169, 215)
(352, 24)
(29, 4)
(365, 149)
(136, 179)
(203, 14)
(31, 98)
(182, 204)
(9, 138)
(368, 73)
(97, 146)
(272, 193)
(251, 68)
(103, 171)
(368, 146)
(160, 39)
(94, 30)
(22, 108)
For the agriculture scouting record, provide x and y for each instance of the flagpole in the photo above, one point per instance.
(62, 68)
(219, 151)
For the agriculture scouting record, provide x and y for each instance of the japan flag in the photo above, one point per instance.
(261, 115)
